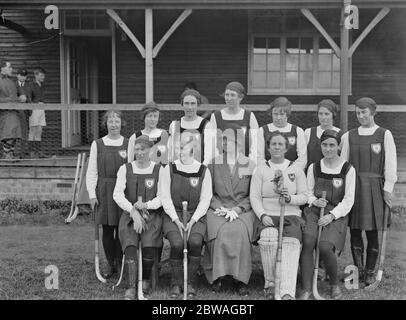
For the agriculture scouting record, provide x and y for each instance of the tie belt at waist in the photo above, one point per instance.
(370, 175)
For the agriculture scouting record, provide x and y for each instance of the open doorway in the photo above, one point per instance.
(87, 79)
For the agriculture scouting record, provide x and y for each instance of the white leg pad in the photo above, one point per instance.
(290, 264)
(268, 246)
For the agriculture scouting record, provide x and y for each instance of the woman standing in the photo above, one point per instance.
(106, 156)
(234, 116)
(159, 137)
(279, 178)
(280, 110)
(185, 180)
(326, 112)
(230, 220)
(336, 177)
(139, 178)
(197, 127)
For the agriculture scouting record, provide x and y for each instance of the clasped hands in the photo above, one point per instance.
(188, 227)
(139, 220)
(228, 214)
(327, 219)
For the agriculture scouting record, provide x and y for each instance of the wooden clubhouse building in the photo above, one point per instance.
(120, 54)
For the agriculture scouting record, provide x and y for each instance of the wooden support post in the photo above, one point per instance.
(319, 27)
(381, 14)
(344, 71)
(113, 63)
(149, 63)
(171, 30)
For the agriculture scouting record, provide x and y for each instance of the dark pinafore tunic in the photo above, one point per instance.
(367, 155)
(198, 156)
(244, 124)
(186, 187)
(314, 153)
(159, 151)
(146, 186)
(109, 160)
(334, 185)
(291, 154)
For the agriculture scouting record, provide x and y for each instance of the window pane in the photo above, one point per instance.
(324, 62)
(259, 62)
(274, 62)
(324, 80)
(274, 45)
(306, 80)
(274, 79)
(260, 45)
(259, 79)
(306, 62)
(306, 44)
(336, 63)
(72, 22)
(292, 79)
(292, 45)
(87, 22)
(292, 62)
(336, 79)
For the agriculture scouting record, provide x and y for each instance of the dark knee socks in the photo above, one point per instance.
(111, 243)
(330, 261)
(131, 253)
(307, 262)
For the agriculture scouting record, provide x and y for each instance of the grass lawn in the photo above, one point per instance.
(29, 243)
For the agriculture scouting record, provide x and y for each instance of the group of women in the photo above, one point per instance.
(235, 177)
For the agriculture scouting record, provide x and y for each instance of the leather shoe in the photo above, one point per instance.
(305, 295)
(243, 289)
(175, 291)
(336, 293)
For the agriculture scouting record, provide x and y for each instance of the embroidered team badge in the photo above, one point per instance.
(337, 182)
(376, 147)
(194, 182)
(291, 176)
(292, 140)
(161, 148)
(149, 183)
(123, 153)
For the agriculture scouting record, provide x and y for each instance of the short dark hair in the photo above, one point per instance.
(275, 134)
(39, 70)
(3, 63)
(108, 113)
(190, 85)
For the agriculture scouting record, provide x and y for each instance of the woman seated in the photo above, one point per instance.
(337, 177)
(150, 117)
(188, 180)
(278, 179)
(138, 195)
(230, 220)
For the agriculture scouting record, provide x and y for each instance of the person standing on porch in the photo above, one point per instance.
(230, 220)
(107, 154)
(327, 111)
(280, 110)
(371, 150)
(23, 87)
(10, 120)
(188, 180)
(197, 127)
(234, 116)
(139, 178)
(337, 178)
(150, 117)
(37, 118)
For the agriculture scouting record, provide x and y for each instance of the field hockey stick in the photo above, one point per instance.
(73, 205)
(96, 250)
(278, 267)
(81, 174)
(382, 251)
(316, 294)
(185, 253)
(139, 289)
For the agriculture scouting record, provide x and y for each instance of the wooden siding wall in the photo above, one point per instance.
(40, 47)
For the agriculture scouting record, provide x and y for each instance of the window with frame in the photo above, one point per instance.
(288, 62)
(86, 20)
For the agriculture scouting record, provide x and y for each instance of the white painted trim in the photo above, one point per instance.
(172, 107)
(127, 31)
